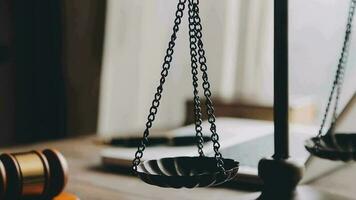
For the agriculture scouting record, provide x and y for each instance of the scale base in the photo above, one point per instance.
(281, 178)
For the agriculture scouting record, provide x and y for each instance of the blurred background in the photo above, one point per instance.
(70, 68)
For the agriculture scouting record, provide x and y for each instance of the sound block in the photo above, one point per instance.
(66, 196)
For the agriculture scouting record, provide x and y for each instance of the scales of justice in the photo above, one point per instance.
(279, 173)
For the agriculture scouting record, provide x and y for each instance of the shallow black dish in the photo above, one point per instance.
(337, 147)
(188, 172)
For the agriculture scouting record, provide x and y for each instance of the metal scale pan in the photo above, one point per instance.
(189, 172)
(338, 147)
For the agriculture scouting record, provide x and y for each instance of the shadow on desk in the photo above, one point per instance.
(302, 193)
(127, 172)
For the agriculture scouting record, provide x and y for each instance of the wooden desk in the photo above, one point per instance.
(90, 183)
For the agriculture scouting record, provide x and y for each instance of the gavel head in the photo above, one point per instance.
(3, 181)
(32, 174)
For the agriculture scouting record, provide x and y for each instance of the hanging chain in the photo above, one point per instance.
(196, 50)
(344, 56)
(206, 85)
(340, 72)
(194, 70)
(164, 73)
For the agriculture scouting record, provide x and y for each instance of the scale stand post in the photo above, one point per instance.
(279, 174)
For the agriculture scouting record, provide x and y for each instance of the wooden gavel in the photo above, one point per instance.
(32, 175)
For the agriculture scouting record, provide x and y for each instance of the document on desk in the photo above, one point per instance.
(232, 131)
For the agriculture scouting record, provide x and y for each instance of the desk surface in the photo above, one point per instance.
(90, 183)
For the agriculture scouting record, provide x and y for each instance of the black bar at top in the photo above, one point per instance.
(281, 132)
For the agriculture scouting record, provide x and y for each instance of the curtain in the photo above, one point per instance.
(136, 36)
(248, 52)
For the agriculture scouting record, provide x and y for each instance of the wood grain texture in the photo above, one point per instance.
(90, 182)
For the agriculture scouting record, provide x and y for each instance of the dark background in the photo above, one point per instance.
(50, 60)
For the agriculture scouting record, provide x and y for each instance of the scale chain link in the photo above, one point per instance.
(344, 56)
(196, 50)
(194, 70)
(206, 85)
(164, 73)
(339, 75)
